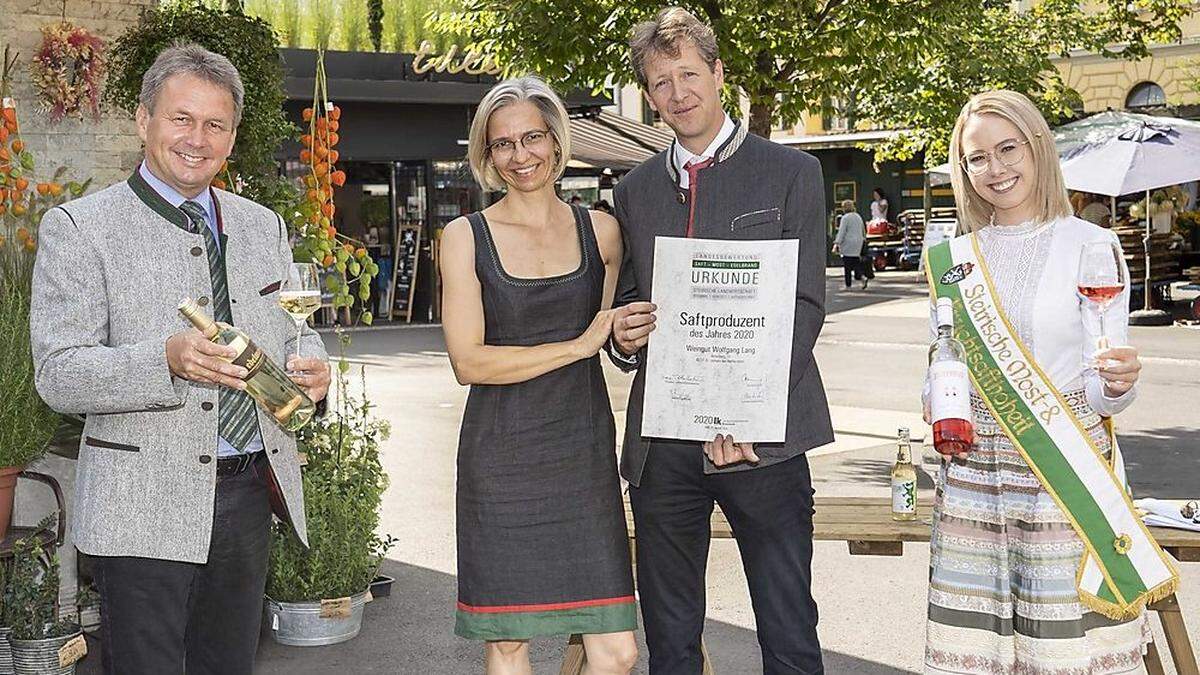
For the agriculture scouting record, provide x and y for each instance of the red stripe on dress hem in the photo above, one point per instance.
(499, 609)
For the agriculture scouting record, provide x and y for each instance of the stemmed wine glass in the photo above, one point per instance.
(300, 295)
(1101, 279)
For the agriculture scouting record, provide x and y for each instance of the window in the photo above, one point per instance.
(649, 116)
(1145, 95)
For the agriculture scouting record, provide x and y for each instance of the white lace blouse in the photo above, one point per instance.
(1035, 267)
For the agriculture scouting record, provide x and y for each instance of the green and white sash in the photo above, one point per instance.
(1123, 568)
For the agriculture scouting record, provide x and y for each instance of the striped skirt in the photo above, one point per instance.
(1002, 596)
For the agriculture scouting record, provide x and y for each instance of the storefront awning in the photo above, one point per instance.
(603, 140)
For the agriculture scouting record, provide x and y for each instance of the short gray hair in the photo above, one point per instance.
(536, 91)
(184, 58)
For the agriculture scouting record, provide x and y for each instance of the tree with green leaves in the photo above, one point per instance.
(375, 23)
(353, 21)
(907, 65)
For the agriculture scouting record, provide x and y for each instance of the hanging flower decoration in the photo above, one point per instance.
(69, 70)
(350, 265)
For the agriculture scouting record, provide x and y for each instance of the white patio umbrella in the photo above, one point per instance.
(1147, 154)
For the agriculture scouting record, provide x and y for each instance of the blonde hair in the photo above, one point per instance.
(663, 34)
(554, 114)
(1049, 190)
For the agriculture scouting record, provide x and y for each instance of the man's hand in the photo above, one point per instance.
(193, 357)
(311, 374)
(632, 325)
(722, 451)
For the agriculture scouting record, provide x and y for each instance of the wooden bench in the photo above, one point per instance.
(866, 525)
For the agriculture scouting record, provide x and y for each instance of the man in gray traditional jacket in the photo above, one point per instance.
(179, 470)
(716, 181)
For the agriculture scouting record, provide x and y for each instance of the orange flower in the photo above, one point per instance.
(327, 261)
(335, 114)
(21, 184)
(43, 189)
(339, 178)
(56, 190)
(360, 253)
(307, 114)
(18, 145)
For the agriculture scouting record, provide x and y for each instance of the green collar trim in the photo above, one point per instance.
(155, 201)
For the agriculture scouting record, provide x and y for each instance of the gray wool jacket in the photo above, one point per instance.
(110, 272)
(756, 189)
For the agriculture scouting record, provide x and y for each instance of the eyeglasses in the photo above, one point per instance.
(1009, 152)
(503, 149)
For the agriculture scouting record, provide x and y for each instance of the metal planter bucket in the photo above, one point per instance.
(6, 664)
(40, 657)
(299, 624)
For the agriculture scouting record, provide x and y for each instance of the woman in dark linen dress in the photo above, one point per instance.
(527, 287)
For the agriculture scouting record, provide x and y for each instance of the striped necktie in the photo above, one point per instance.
(237, 422)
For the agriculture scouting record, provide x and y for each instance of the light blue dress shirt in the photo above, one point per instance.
(224, 449)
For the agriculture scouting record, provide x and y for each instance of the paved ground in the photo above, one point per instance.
(872, 355)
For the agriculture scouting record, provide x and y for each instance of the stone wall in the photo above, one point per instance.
(106, 150)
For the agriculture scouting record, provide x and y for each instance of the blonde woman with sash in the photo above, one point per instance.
(1038, 563)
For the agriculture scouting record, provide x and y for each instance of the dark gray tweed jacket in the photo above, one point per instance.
(756, 189)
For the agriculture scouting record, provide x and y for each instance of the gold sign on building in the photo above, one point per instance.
(470, 62)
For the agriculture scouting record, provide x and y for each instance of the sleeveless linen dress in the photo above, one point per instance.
(542, 545)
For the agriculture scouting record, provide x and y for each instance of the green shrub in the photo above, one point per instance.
(31, 592)
(343, 486)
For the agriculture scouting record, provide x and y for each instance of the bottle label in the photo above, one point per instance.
(904, 496)
(949, 391)
(250, 357)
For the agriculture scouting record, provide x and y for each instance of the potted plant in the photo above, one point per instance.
(41, 641)
(26, 422)
(315, 596)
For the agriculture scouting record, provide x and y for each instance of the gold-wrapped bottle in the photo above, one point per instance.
(266, 382)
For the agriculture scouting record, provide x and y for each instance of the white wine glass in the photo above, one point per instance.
(1102, 279)
(300, 295)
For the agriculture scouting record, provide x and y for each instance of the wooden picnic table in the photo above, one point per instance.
(866, 525)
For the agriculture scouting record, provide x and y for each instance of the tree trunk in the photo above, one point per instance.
(762, 102)
(762, 114)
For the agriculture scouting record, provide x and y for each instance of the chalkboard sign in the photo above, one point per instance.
(404, 272)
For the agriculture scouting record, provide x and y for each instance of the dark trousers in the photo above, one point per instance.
(858, 266)
(164, 617)
(770, 511)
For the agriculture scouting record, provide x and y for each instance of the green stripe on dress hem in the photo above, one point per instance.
(525, 625)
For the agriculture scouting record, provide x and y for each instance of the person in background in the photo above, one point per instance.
(1095, 210)
(880, 208)
(851, 235)
(603, 207)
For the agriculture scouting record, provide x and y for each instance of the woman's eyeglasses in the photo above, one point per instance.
(1009, 152)
(503, 149)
